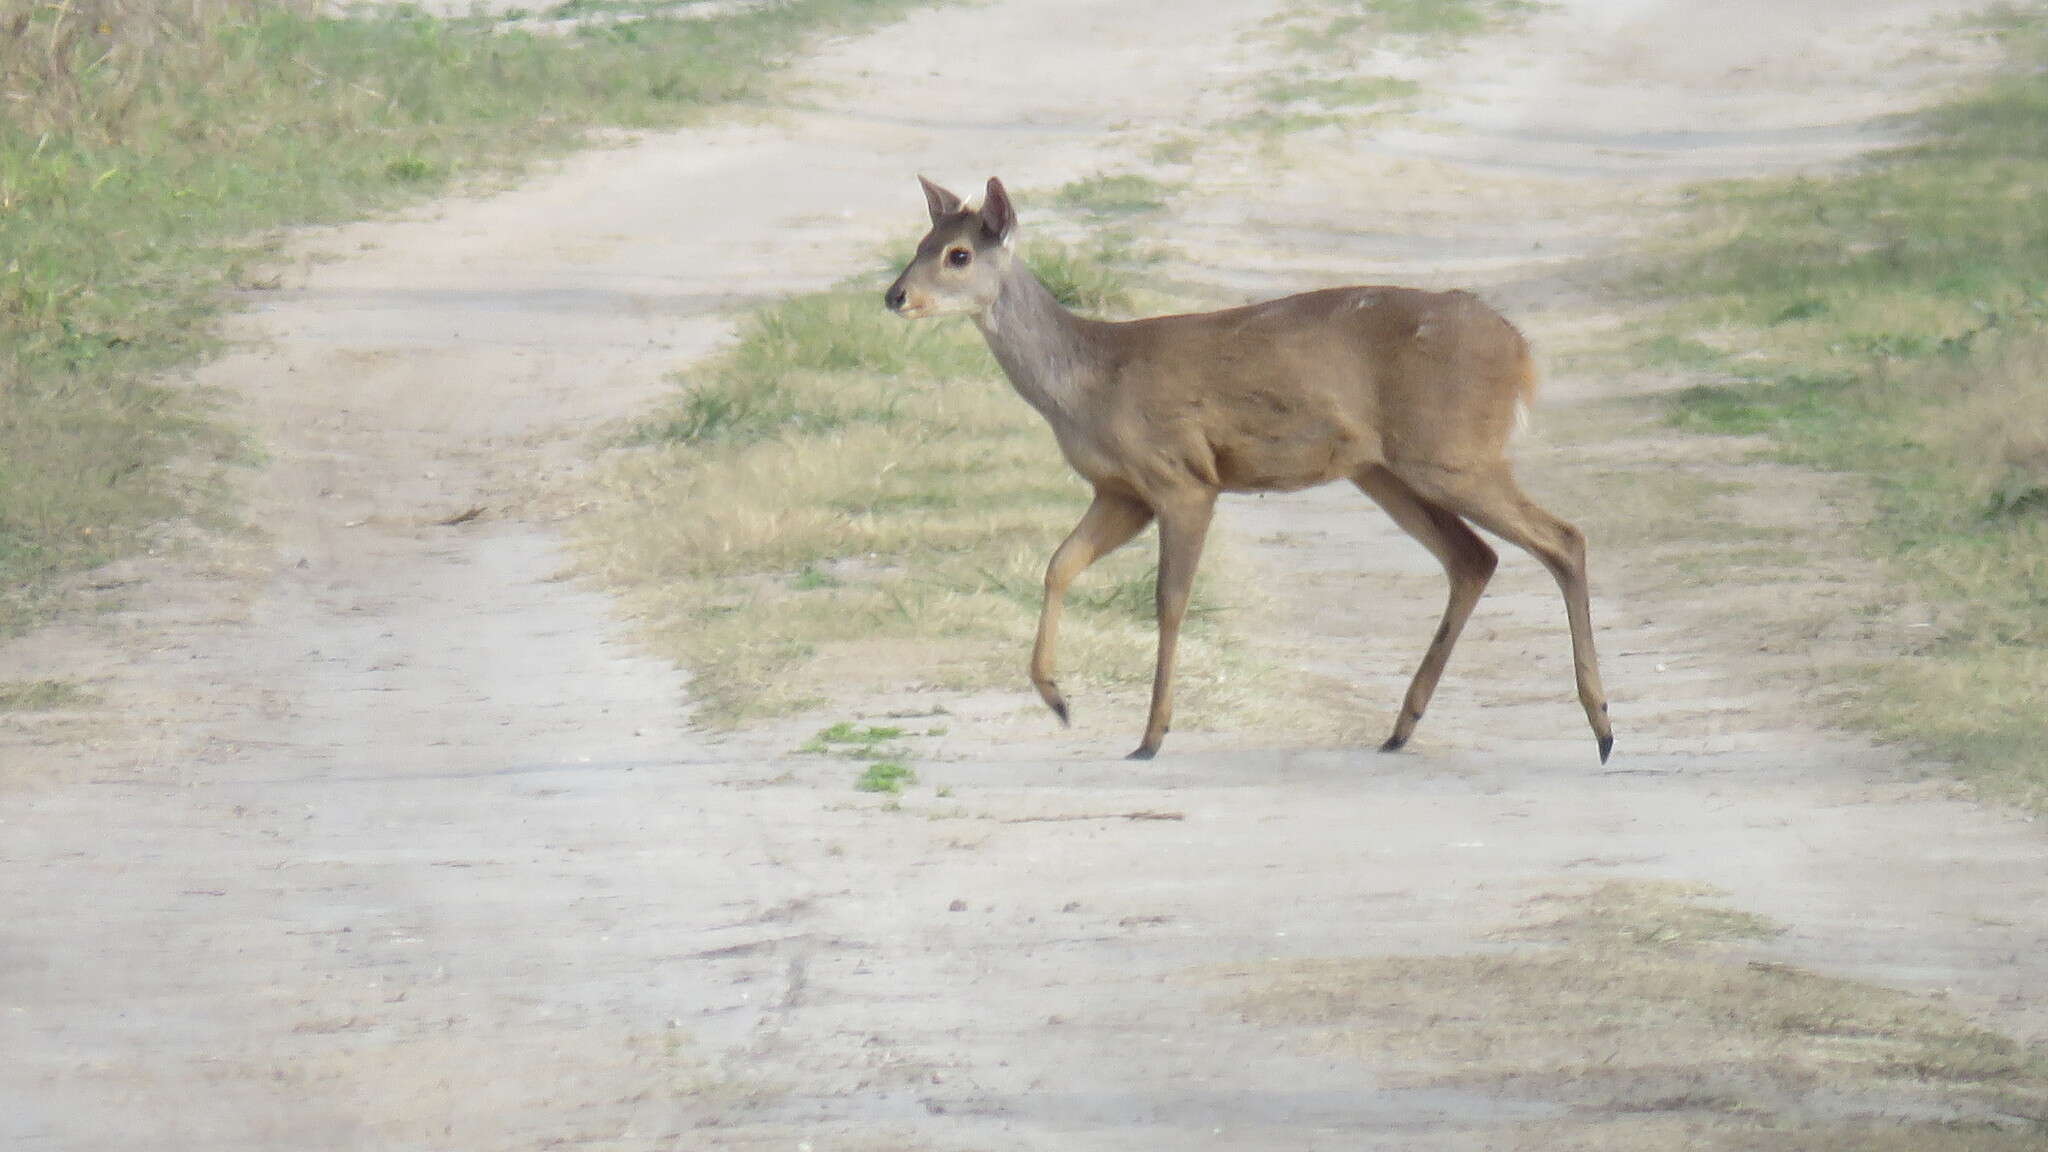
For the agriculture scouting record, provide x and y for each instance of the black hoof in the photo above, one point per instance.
(1394, 743)
(1143, 754)
(1059, 709)
(1606, 746)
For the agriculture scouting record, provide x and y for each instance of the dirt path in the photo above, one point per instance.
(395, 843)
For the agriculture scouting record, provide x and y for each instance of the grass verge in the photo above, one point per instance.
(1632, 1007)
(147, 141)
(1893, 322)
(845, 503)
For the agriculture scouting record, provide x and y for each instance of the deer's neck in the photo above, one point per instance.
(1044, 349)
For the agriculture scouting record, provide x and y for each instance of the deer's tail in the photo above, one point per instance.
(1525, 389)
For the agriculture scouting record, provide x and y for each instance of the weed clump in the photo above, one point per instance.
(885, 776)
(849, 739)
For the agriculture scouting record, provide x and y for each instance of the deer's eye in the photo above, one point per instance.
(959, 257)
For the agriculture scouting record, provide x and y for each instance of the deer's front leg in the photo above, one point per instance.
(1108, 525)
(1183, 527)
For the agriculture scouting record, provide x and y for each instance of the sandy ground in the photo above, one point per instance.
(392, 840)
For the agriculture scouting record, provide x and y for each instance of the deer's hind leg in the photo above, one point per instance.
(1468, 564)
(1490, 498)
(1108, 525)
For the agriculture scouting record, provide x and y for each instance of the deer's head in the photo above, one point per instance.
(959, 265)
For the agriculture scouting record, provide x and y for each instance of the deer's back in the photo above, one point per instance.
(1311, 388)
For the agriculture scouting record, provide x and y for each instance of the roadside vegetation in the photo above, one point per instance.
(841, 487)
(1892, 322)
(146, 142)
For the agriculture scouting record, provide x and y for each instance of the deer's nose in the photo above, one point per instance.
(894, 298)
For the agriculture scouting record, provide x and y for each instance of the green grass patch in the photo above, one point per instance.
(1337, 27)
(1111, 195)
(146, 142)
(849, 739)
(1671, 350)
(584, 9)
(810, 578)
(776, 379)
(1093, 282)
(43, 696)
(1446, 19)
(888, 776)
(1176, 149)
(1791, 403)
(1894, 323)
(767, 385)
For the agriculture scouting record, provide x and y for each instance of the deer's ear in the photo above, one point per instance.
(998, 216)
(939, 202)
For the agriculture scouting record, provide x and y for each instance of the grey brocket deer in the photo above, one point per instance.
(1410, 395)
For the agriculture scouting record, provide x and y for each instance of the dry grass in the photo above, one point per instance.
(1652, 914)
(1990, 415)
(1638, 1016)
(1978, 691)
(1659, 1133)
(87, 65)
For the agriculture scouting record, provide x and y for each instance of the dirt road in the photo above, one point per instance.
(391, 840)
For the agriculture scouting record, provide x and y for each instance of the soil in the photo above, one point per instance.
(387, 835)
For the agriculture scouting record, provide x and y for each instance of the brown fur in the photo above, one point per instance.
(1411, 395)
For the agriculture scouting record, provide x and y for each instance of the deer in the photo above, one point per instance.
(1410, 395)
